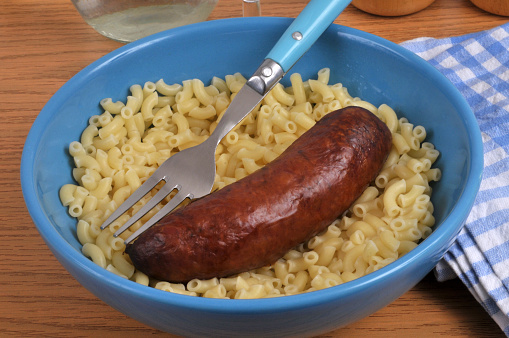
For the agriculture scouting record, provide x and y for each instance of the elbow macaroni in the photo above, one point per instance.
(123, 146)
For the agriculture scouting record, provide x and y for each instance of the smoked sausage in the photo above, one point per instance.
(256, 220)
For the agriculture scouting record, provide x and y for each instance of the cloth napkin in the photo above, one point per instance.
(478, 65)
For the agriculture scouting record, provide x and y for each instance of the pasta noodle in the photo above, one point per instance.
(124, 145)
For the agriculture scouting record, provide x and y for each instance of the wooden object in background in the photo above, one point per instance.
(392, 7)
(499, 7)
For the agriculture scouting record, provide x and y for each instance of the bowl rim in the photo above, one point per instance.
(437, 239)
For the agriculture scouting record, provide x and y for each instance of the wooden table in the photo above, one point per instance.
(42, 45)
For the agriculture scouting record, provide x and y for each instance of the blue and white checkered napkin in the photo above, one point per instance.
(478, 64)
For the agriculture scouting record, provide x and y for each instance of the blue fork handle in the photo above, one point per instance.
(305, 30)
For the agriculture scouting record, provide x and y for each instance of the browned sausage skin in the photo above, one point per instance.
(255, 221)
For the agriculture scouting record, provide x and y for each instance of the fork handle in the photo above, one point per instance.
(295, 41)
(305, 30)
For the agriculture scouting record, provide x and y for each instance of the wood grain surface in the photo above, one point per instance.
(42, 45)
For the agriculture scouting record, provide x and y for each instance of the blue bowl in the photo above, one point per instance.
(375, 69)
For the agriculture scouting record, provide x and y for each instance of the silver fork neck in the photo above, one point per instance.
(262, 81)
(266, 76)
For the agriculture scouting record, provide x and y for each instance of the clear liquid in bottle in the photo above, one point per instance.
(134, 23)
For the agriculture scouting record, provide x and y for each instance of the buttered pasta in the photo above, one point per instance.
(124, 145)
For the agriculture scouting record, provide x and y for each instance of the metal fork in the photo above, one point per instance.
(191, 172)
